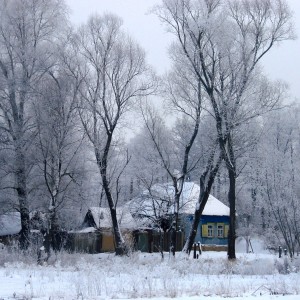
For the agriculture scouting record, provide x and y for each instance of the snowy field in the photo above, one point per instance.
(140, 275)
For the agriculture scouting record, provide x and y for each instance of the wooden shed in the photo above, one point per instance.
(96, 234)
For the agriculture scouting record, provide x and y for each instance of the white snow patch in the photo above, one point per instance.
(141, 275)
(85, 230)
(10, 223)
(257, 245)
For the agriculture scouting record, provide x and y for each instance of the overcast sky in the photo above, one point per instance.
(281, 63)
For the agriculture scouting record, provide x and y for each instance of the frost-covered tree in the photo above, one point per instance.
(59, 145)
(184, 98)
(223, 42)
(144, 154)
(279, 159)
(116, 76)
(27, 30)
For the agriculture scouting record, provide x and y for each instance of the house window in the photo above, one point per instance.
(210, 230)
(220, 230)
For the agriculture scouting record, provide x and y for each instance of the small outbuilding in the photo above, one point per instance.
(96, 234)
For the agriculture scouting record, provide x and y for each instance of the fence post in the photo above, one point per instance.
(280, 251)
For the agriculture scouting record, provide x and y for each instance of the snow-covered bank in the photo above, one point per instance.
(105, 276)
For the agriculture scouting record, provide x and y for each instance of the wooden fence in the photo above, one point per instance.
(145, 241)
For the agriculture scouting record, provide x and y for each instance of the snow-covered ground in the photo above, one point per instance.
(141, 275)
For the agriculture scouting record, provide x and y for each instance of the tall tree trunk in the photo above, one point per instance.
(22, 198)
(205, 188)
(232, 221)
(184, 170)
(203, 197)
(121, 247)
(54, 229)
(174, 229)
(161, 243)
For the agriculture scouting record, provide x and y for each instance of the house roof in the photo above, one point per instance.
(158, 201)
(102, 217)
(189, 199)
(10, 223)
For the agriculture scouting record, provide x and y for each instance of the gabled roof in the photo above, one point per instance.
(215, 207)
(10, 223)
(102, 217)
(189, 199)
(159, 201)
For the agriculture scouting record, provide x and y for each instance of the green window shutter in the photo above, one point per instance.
(204, 230)
(226, 231)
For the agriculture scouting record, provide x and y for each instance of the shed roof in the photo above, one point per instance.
(102, 217)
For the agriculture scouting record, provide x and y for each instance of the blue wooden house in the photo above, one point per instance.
(214, 223)
(156, 204)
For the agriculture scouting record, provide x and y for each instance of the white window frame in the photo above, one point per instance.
(210, 230)
(220, 231)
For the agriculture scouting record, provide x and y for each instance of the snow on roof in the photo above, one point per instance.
(102, 217)
(85, 230)
(10, 223)
(215, 207)
(160, 200)
(189, 199)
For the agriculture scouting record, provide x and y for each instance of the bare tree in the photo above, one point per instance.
(116, 77)
(27, 29)
(153, 207)
(60, 142)
(223, 42)
(174, 153)
(185, 96)
(279, 158)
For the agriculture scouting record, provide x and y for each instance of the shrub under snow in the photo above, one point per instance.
(141, 275)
